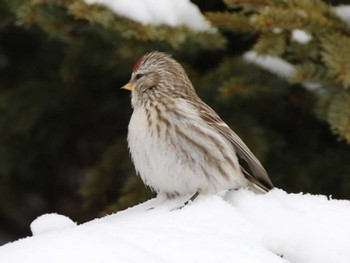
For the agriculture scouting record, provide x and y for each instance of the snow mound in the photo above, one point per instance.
(238, 226)
(273, 64)
(155, 12)
(50, 222)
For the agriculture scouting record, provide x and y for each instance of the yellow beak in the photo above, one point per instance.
(128, 86)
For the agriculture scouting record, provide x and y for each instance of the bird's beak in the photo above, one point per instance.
(128, 86)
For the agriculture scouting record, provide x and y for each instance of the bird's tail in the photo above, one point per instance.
(255, 184)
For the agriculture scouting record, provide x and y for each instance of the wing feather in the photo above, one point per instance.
(259, 175)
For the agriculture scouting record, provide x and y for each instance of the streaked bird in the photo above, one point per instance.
(179, 145)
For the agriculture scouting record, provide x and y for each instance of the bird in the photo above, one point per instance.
(178, 144)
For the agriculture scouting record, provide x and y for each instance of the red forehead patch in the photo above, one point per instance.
(137, 64)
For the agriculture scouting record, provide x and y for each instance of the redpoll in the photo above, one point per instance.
(179, 145)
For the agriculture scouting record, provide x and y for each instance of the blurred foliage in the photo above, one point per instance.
(64, 120)
(323, 60)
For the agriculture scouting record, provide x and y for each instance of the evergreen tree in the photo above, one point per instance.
(64, 120)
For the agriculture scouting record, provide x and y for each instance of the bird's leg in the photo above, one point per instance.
(191, 199)
(188, 201)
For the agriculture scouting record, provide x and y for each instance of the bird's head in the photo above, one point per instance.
(157, 76)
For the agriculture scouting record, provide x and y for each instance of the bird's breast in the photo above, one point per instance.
(179, 152)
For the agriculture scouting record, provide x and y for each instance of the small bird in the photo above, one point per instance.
(179, 145)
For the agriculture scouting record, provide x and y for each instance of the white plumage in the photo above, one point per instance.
(167, 170)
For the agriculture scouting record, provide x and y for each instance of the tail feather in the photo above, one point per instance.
(255, 184)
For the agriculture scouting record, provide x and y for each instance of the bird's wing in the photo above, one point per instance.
(260, 177)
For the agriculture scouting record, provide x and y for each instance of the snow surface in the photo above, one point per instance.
(238, 226)
(50, 222)
(301, 36)
(155, 12)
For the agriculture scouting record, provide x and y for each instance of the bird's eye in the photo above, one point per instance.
(138, 76)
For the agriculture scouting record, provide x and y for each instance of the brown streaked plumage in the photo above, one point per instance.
(179, 145)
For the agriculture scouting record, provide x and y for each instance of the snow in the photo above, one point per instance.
(314, 87)
(301, 36)
(238, 226)
(281, 68)
(50, 222)
(277, 30)
(343, 11)
(155, 12)
(273, 64)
